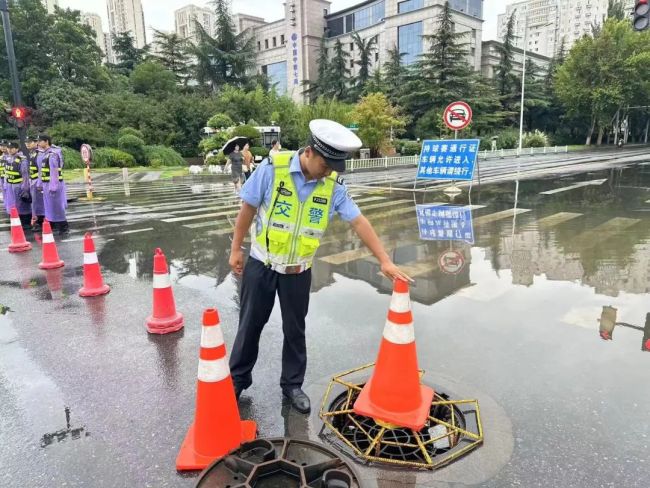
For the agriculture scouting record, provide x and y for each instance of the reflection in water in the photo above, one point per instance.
(296, 425)
(168, 358)
(63, 434)
(608, 323)
(96, 306)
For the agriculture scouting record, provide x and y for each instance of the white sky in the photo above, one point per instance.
(159, 14)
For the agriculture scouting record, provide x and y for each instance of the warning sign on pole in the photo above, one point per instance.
(457, 115)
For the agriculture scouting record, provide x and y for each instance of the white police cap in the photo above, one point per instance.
(333, 141)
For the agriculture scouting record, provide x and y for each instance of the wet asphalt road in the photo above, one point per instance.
(90, 399)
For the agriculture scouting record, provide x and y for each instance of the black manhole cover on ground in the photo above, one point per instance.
(280, 463)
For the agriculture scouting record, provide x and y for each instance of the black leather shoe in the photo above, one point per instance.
(299, 400)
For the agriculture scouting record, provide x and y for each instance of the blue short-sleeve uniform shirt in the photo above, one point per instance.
(258, 190)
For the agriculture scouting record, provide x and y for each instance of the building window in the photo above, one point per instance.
(352, 63)
(277, 74)
(409, 38)
(409, 5)
(259, 45)
(351, 46)
(376, 56)
(335, 27)
(282, 41)
(325, 12)
(275, 42)
(266, 43)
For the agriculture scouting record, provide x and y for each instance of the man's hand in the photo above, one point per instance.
(237, 261)
(392, 272)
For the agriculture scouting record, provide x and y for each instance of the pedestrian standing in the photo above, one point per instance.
(35, 184)
(3, 160)
(54, 189)
(17, 184)
(247, 155)
(236, 163)
(275, 148)
(293, 197)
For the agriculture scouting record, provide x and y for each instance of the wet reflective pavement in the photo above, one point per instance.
(509, 315)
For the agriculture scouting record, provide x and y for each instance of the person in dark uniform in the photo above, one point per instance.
(292, 199)
(35, 185)
(17, 184)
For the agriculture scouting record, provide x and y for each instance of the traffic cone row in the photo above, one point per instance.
(51, 258)
(93, 285)
(165, 318)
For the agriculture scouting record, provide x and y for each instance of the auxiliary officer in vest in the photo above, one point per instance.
(293, 197)
(17, 184)
(35, 185)
(54, 190)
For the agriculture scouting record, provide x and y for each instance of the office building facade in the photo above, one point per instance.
(127, 16)
(186, 18)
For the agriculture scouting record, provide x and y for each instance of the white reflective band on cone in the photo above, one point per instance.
(48, 238)
(211, 336)
(90, 258)
(15, 222)
(400, 302)
(399, 334)
(161, 281)
(213, 371)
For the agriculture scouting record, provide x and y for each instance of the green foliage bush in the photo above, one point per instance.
(535, 139)
(132, 145)
(248, 131)
(220, 121)
(158, 156)
(130, 131)
(217, 160)
(508, 139)
(72, 158)
(260, 151)
(213, 143)
(108, 157)
(74, 134)
(408, 148)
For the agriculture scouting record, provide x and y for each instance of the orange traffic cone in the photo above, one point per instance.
(51, 258)
(18, 241)
(93, 281)
(393, 394)
(217, 427)
(165, 318)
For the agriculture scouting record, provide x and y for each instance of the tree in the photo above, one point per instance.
(220, 121)
(61, 100)
(536, 101)
(616, 9)
(377, 120)
(505, 80)
(225, 58)
(366, 48)
(171, 53)
(127, 54)
(151, 78)
(322, 86)
(339, 73)
(394, 74)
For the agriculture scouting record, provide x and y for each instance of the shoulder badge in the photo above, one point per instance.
(339, 180)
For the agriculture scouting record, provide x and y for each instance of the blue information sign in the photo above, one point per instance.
(448, 159)
(445, 223)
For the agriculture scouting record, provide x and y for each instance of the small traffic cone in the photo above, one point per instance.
(93, 281)
(393, 394)
(51, 258)
(165, 318)
(217, 428)
(18, 241)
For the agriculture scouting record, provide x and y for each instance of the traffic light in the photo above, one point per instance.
(641, 15)
(19, 116)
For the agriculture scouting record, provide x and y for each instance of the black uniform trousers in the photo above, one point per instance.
(259, 287)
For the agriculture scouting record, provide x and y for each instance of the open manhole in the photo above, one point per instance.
(280, 463)
(453, 428)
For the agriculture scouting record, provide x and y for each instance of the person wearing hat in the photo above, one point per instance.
(3, 159)
(35, 185)
(17, 184)
(292, 199)
(54, 190)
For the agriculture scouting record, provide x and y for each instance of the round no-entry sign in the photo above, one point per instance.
(451, 262)
(86, 153)
(458, 115)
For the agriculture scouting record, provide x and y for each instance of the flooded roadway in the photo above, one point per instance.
(512, 318)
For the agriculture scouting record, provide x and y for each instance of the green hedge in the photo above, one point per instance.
(408, 148)
(260, 151)
(157, 156)
(72, 158)
(132, 145)
(108, 157)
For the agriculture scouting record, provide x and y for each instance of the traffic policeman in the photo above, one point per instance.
(54, 189)
(35, 185)
(17, 184)
(292, 197)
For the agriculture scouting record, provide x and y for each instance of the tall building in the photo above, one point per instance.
(127, 16)
(185, 20)
(95, 22)
(287, 49)
(50, 4)
(108, 48)
(551, 21)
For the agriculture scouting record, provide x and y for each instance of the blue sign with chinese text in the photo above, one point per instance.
(448, 159)
(445, 223)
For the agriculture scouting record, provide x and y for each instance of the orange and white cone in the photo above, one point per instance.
(393, 394)
(217, 428)
(165, 318)
(51, 258)
(93, 281)
(18, 241)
